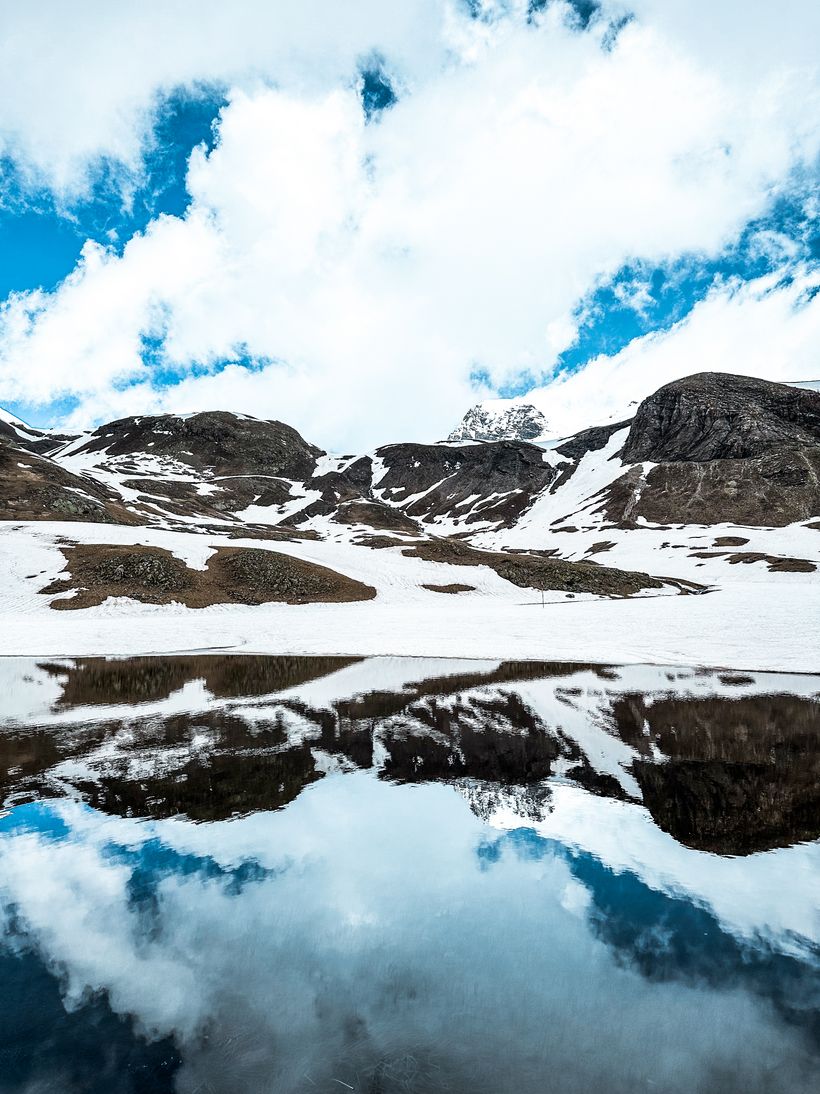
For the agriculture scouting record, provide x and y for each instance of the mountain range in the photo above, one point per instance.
(615, 510)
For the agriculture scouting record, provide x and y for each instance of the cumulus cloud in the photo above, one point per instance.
(79, 81)
(369, 271)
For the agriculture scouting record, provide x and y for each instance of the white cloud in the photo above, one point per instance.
(78, 81)
(768, 328)
(378, 266)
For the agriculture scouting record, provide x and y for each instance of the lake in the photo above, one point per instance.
(287, 874)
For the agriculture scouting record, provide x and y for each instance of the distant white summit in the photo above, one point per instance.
(499, 420)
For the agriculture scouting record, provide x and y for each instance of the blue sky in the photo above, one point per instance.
(382, 219)
(41, 237)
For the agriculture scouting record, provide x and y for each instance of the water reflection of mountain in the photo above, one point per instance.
(723, 763)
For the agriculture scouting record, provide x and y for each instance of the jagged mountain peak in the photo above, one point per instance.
(499, 421)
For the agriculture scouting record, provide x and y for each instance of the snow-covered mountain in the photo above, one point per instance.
(714, 482)
(498, 420)
(707, 449)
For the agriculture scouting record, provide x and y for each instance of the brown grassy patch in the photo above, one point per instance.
(234, 575)
(531, 571)
(454, 587)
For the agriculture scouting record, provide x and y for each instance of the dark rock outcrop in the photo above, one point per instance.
(772, 491)
(373, 514)
(494, 482)
(43, 442)
(719, 416)
(727, 449)
(216, 441)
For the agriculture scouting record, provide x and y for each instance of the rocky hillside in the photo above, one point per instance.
(727, 449)
(718, 416)
(216, 442)
(707, 449)
(35, 488)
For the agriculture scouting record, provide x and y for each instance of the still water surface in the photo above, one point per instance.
(248, 874)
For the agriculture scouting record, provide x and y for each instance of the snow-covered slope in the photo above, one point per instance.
(714, 482)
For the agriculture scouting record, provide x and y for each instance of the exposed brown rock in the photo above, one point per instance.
(222, 443)
(601, 546)
(502, 478)
(376, 515)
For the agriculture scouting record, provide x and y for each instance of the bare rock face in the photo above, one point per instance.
(520, 422)
(726, 449)
(770, 491)
(217, 441)
(719, 416)
(483, 482)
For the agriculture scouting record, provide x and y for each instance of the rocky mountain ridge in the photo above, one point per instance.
(709, 448)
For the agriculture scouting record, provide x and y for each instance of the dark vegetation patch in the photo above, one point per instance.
(376, 515)
(777, 563)
(600, 546)
(530, 571)
(730, 541)
(234, 575)
(454, 587)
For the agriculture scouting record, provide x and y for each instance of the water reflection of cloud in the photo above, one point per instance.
(384, 946)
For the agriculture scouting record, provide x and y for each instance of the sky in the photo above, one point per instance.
(361, 219)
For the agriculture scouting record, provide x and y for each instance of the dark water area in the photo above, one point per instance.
(262, 874)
